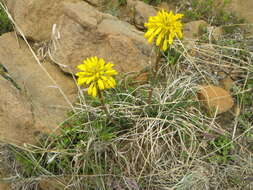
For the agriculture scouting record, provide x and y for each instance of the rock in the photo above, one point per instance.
(52, 184)
(36, 18)
(167, 6)
(5, 186)
(140, 12)
(92, 33)
(44, 106)
(16, 118)
(214, 97)
(192, 30)
(242, 10)
(90, 18)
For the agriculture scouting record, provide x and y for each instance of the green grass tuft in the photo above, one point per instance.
(5, 24)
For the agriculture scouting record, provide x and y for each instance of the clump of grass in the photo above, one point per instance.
(224, 147)
(122, 2)
(154, 2)
(169, 143)
(156, 146)
(5, 23)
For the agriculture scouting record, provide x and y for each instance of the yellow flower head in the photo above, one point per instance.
(96, 74)
(165, 26)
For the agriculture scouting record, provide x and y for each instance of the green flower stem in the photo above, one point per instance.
(154, 74)
(102, 100)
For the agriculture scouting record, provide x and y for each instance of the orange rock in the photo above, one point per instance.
(52, 184)
(4, 186)
(215, 98)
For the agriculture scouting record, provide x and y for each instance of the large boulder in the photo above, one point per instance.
(38, 104)
(36, 18)
(86, 32)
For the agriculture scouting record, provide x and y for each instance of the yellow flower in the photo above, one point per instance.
(96, 74)
(165, 26)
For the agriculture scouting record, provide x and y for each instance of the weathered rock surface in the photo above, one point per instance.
(242, 9)
(38, 104)
(87, 32)
(140, 12)
(16, 118)
(36, 18)
(192, 30)
(168, 6)
(214, 98)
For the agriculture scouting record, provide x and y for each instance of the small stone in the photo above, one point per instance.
(215, 99)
